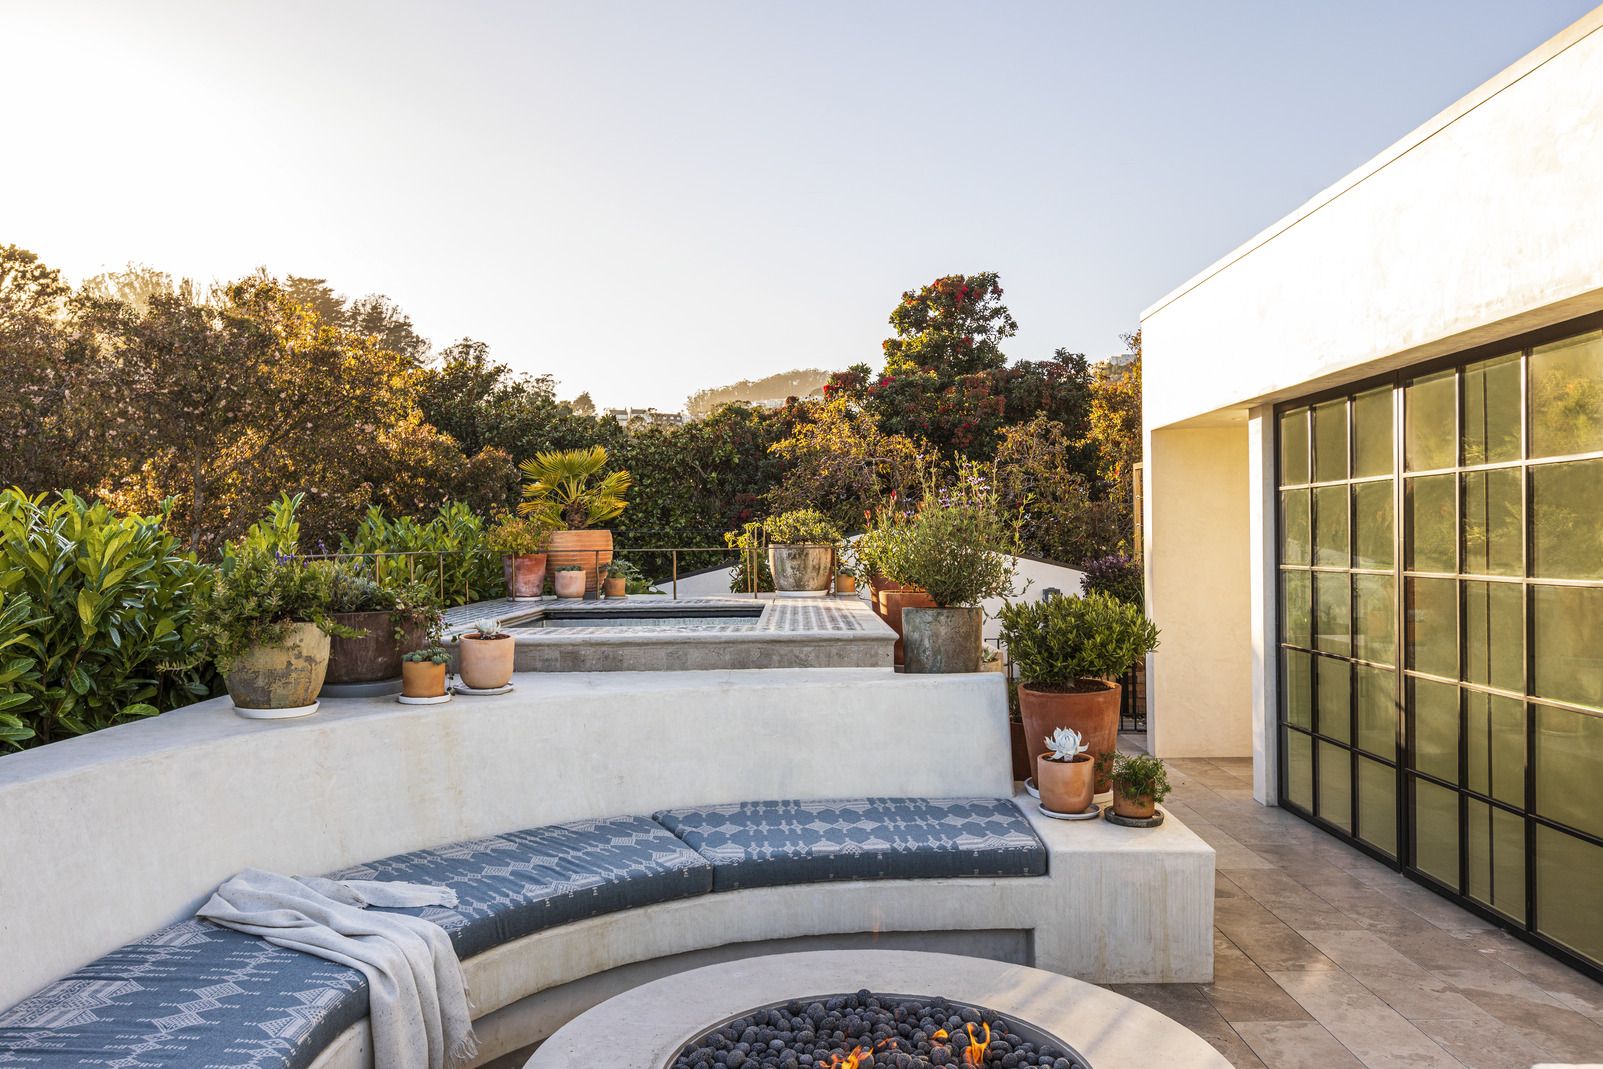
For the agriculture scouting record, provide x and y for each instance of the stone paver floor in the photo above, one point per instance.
(1327, 959)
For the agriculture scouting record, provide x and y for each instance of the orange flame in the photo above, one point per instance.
(940, 1036)
(974, 1053)
(850, 1061)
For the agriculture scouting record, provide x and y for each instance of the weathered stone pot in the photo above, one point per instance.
(486, 663)
(616, 586)
(422, 679)
(803, 569)
(589, 548)
(374, 656)
(1134, 806)
(894, 602)
(568, 584)
(942, 639)
(1066, 786)
(1093, 711)
(282, 680)
(525, 576)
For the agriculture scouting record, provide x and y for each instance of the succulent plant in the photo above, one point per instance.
(487, 628)
(1065, 744)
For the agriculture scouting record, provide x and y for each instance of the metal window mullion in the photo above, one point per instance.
(1401, 720)
(1526, 518)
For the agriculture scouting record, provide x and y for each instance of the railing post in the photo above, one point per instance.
(673, 557)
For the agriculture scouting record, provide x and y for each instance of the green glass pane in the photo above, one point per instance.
(1567, 644)
(1330, 526)
(1372, 525)
(1434, 710)
(1299, 685)
(1330, 441)
(1377, 805)
(1336, 786)
(1492, 410)
(1569, 872)
(1494, 746)
(1569, 768)
(1430, 410)
(1294, 447)
(1436, 832)
(1377, 710)
(1332, 613)
(1432, 524)
(1433, 626)
(1494, 635)
(1296, 607)
(1372, 425)
(1567, 520)
(1567, 396)
(1492, 522)
(1294, 543)
(1374, 618)
(1333, 694)
(1496, 858)
(1300, 770)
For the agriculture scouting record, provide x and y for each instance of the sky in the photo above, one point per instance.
(647, 198)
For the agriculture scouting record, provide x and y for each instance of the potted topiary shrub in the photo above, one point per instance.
(801, 551)
(569, 494)
(521, 543)
(954, 552)
(385, 620)
(1068, 651)
(618, 575)
(423, 674)
(484, 656)
(1065, 774)
(264, 619)
(1140, 782)
(568, 581)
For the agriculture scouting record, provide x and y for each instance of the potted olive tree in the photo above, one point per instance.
(485, 656)
(1140, 782)
(1069, 651)
(569, 493)
(801, 551)
(952, 551)
(385, 620)
(521, 543)
(265, 621)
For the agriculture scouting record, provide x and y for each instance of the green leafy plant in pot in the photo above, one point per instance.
(617, 576)
(1068, 652)
(521, 542)
(1140, 782)
(571, 493)
(386, 618)
(801, 551)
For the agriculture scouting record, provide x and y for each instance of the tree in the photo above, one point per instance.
(1114, 418)
(1035, 476)
(842, 463)
(953, 326)
(375, 316)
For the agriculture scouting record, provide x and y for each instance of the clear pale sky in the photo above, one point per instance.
(647, 198)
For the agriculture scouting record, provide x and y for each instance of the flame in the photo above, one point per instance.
(974, 1053)
(940, 1035)
(850, 1061)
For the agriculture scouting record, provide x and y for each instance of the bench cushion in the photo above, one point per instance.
(192, 995)
(512, 885)
(763, 844)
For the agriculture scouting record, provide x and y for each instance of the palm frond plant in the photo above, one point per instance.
(570, 490)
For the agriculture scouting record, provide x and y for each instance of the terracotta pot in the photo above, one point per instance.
(878, 587)
(1022, 769)
(525, 576)
(422, 679)
(1093, 712)
(568, 584)
(1136, 807)
(845, 584)
(588, 548)
(617, 587)
(897, 600)
(942, 639)
(1066, 786)
(802, 569)
(270, 682)
(486, 663)
(375, 656)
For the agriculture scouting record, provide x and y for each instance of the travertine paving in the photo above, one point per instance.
(1327, 959)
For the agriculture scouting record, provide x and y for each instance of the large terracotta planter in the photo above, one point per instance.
(525, 576)
(1022, 764)
(282, 680)
(941, 639)
(1134, 806)
(1066, 786)
(801, 570)
(588, 548)
(376, 655)
(897, 600)
(422, 679)
(1093, 712)
(568, 584)
(485, 663)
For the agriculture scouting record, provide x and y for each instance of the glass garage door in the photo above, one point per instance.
(1441, 627)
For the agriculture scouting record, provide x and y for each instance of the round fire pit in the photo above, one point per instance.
(690, 1019)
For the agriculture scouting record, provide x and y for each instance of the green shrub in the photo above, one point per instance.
(448, 552)
(799, 527)
(955, 553)
(749, 541)
(255, 596)
(1118, 575)
(1058, 641)
(408, 601)
(98, 621)
(513, 536)
(1141, 776)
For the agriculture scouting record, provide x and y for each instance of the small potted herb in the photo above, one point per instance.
(1140, 782)
(569, 580)
(1065, 774)
(423, 672)
(484, 656)
(619, 574)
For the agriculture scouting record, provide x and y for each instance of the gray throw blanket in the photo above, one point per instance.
(417, 1001)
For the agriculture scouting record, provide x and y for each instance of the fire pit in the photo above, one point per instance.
(989, 1014)
(872, 1031)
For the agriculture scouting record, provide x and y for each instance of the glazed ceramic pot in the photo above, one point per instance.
(568, 584)
(281, 680)
(941, 640)
(1066, 786)
(1092, 710)
(589, 548)
(525, 576)
(422, 679)
(486, 663)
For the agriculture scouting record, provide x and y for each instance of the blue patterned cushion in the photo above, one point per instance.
(761, 844)
(510, 885)
(192, 995)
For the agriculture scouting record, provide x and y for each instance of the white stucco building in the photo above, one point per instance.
(1374, 502)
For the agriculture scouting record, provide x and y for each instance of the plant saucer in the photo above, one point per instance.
(1090, 814)
(1032, 789)
(435, 700)
(463, 688)
(1135, 822)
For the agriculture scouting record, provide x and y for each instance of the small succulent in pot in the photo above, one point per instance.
(428, 655)
(1065, 774)
(485, 656)
(1065, 744)
(568, 581)
(486, 628)
(1140, 782)
(617, 576)
(423, 672)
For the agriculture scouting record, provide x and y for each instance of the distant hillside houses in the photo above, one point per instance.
(645, 417)
(770, 392)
